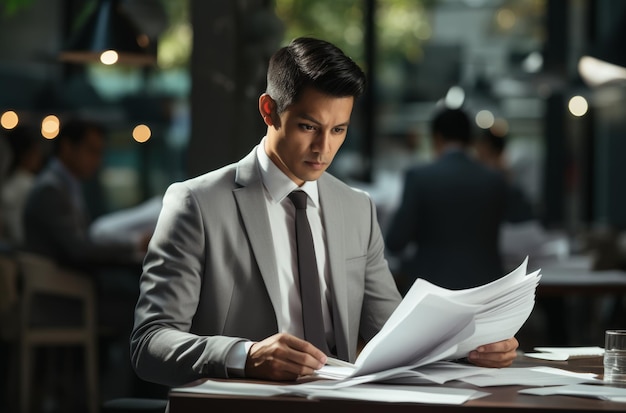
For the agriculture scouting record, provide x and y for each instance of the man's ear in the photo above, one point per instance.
(267, 108)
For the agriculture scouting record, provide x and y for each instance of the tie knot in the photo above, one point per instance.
(298, 198)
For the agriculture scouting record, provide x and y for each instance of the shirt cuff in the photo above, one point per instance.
(236, 359)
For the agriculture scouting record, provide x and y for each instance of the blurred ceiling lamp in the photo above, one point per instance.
(597, 72)
(109, 36)
(607, 63)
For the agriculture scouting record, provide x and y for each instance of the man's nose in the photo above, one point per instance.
(321, 142)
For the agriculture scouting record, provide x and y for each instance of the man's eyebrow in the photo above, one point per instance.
(312, 119)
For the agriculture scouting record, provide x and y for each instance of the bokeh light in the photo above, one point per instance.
(109, 57)
(578, 106)
(485, 119)
(141, 133)
(50, 127)
(9, 119)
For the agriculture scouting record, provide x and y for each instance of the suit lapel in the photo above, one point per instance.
(332, 213)
(250, 200)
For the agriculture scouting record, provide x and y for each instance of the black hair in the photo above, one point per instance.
(75, 131)
(308, 62)
(452, 125)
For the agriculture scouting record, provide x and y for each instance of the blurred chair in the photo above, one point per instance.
(41, 276)
(8, 293)
(8, 326)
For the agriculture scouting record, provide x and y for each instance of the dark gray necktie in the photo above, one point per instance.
(309, 276)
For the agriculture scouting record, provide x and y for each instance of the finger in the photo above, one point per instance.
(492, 363)
(271, 363)
(503, 346)
(492, 359)
(283, 357)
(305, 353)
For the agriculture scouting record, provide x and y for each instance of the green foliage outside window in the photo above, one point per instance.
(401, 25)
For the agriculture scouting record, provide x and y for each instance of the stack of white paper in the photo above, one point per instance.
(433, 323)
(430, 325)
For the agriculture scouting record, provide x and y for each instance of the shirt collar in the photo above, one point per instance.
(453, 148)
(279, 185)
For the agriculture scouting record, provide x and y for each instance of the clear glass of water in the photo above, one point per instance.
(615, 356)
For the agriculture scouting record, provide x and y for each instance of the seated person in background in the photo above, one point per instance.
(450, 213)
(56, 224)
(26, 149)
(220, 285)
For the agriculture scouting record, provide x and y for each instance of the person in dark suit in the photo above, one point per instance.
(489, 147)
(56, 226)
(450, 212)
(56, 220)
(219, 292)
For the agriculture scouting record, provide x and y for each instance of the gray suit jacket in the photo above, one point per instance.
(210, 274)
(451, 210)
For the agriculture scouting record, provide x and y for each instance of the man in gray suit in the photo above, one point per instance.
(451, 211)
(219, 295)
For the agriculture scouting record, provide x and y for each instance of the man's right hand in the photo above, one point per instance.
(283, 357)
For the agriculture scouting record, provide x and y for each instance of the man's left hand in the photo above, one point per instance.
(499, 354)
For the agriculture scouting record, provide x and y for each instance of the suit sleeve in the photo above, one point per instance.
(381, 296)
(163, 350)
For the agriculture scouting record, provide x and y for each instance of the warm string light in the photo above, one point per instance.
(9, 119)
(50, 126)
(141, 133)
(109, 57)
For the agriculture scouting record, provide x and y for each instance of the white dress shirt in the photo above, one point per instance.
(281, 214)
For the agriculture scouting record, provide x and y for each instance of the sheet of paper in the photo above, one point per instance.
(614, 394)
(565, 353)
(433, 323)
(528, 376)
(400, 394)
(443, 372)
(324, 390)
(234, 387)
(412, 338)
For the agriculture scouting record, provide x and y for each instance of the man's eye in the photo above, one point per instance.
(307, 127)
(339, 130)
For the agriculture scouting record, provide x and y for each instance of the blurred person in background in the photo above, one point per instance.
(27, 156)
(490, 149)
(446, 228)
(57, 226)
(56, 220)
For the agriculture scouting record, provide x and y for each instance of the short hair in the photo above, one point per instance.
(308, 62)
(75, 131)
(452, 124)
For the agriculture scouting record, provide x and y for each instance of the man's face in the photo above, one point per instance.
(309, 134)
(84, 158)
